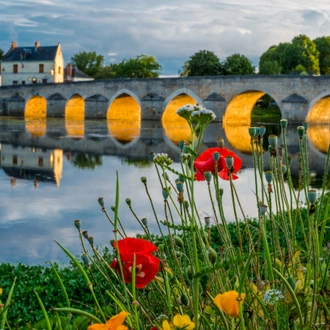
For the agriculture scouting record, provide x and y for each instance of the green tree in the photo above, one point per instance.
(301, 51)
(90, 63)
(202, 63)
(107, 72)
(323, 47)
(1, 54)
(86, 161)
(237, 64)
(143, 66)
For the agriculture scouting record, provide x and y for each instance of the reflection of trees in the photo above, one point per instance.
(140, 163)
(86, 161)
(315, 182)
(266, 109)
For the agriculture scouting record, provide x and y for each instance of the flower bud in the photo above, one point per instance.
(144, 222)
(283, 123)
(208, 176)
(212, 255)
(272, 140)
(101, 202)
(221, 142)
(262, 131)
(252, 131)
(165, 193)
(305, 125)
(128, 201)
(216, 156)
(143, 179)
(229, 161)
(312, 196)
(91, 240)
(77, 224)
(178, 241)
(207, 221)
(85, 259)
(85, 234)
(301, 131)
(262, 209)
(269, 176)
(179, 185)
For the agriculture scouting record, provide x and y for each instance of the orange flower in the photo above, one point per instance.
(115, 323)
(228, 302)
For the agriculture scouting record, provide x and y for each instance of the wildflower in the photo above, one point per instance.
(205, 162)
(179, 322)
(228, 302)
(1, 291)
(115, 323)
(272, 295)
(146, 263)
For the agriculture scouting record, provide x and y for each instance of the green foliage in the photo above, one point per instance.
(271, 62)
(1, 54)
(86, 161)
(88, 62)
(237, 64)
(323, 47)
(202, 63)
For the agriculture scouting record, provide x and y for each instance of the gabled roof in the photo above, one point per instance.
(47, 53)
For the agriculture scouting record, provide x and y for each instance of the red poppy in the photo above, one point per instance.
(205, 162)
(146, 264)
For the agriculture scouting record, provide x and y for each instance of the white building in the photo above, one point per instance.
(32, 65)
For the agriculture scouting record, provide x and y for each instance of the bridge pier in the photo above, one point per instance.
(96, 106)
(294, 108)
(16, 106)
(56, 105)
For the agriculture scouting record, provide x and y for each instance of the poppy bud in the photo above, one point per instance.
(216, 156)
(252, 131)
(91, 240)
(152, 155)
(85, 259)
(301, 131)
(181, 145)
(178, 241)
(77, 224)
(128, 201)
(272, 140)
(143, 179)
(283, 123)
(312, 195)
(269, 176)
(85, 234)
(262, 131)
(305, 125)
(262, 209)
(179, 185)
(101, 202)
(212, 255)
(144, 222)
(207, 221)
(229, 161)
(165, 193)
(220, 142)
(208, 176)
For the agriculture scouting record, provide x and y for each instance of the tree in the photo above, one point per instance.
(271, 62)
(90, 63)
(323, 47)
(203, 63)
(143, 66)
(301, 51)
(1, 54)
(107, 72)
(237, 64)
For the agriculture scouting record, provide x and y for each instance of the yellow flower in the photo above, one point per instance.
(228, 303)
(0, 291)
(115, 323)
(179, 322)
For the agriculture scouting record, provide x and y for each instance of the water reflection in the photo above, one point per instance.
(36, 127)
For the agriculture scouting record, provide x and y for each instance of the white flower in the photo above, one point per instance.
(272, 295)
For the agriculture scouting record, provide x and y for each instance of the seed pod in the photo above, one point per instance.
(178, 241)
(212, 255)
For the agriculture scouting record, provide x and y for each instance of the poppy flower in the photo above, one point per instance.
(115, 323)
(228, 303)
(146, 264)
(205, 163)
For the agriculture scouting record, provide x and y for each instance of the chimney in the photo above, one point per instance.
(36, 45)
(69, 70)
(13, 45)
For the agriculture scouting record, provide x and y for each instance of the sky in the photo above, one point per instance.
(171, 30)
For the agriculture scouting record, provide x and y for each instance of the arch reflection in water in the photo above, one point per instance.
(239, 138)
(36, 127)
(75, 128)
(35, 108)
(124, 118)
(176, 128)
(320, 112)
(319, 136)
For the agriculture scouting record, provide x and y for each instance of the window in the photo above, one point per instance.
(59, 70)
(15, 82)
(15, 160)
(15, 68)
(40, 162)
(44, 80)
(41, 68)
(23, 82)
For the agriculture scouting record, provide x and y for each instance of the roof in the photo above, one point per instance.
(47, 53)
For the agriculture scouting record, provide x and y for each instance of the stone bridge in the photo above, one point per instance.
(300, 98)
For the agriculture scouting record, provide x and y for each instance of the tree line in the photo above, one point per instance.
(300, 56)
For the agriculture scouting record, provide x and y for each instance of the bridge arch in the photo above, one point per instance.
(36, 107)
(319, 109)
(239, 108)
(75, 108)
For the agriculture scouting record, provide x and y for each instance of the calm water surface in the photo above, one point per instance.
(53, 172)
